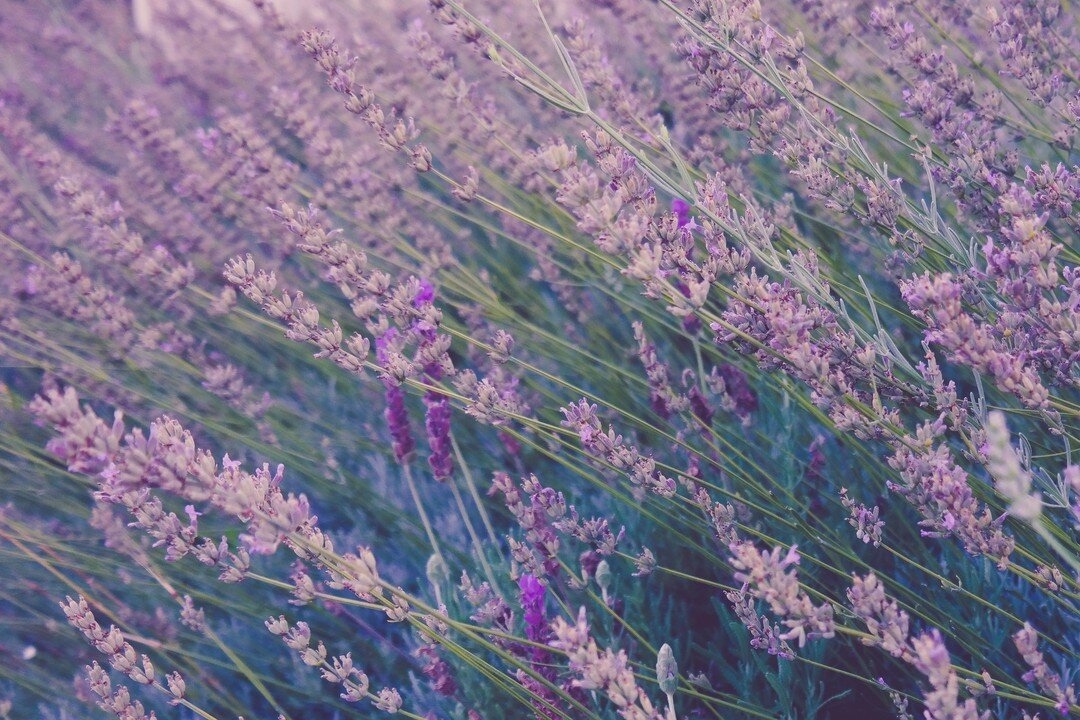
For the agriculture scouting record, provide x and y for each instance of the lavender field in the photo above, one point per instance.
(556, 359)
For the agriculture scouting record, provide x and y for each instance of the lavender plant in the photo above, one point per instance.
(557, 359)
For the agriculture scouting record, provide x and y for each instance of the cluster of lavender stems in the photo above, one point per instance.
(558, 359)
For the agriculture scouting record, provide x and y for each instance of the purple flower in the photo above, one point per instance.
(681, 208)
(737, 387)
(425, 296)
(437, 424)
(397, 420)
(532, 602)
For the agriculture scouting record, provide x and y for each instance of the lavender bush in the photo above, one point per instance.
(649, 359)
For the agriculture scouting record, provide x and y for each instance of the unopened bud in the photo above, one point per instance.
(438, 574)
(603, 576)
(667, 670)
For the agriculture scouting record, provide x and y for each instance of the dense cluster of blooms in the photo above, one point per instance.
(562, 359)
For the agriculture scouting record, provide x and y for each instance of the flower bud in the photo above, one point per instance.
(603, 576)
(667, 670)
(438, 574)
